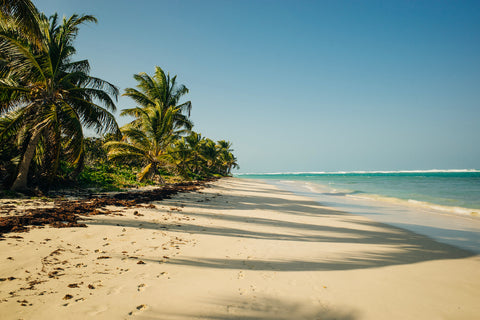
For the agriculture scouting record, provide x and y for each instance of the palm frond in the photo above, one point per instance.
(25, 59)
(25, 16)
(94, 116)
(138, 97)
(98, 94)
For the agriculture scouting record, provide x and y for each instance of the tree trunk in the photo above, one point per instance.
(57, 145)
(20, 182)
(78, 167)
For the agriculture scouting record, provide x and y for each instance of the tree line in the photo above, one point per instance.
(48, 99)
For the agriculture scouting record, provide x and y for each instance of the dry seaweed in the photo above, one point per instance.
(66, 213)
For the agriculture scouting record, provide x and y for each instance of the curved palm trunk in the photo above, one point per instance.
(20, 182)
(78, 167)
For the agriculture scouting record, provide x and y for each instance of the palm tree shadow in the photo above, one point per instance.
(399, 246)
(271, 309)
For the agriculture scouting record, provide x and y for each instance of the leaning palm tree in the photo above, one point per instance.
(149, 141)
(48, 97)
(226, 159)
(229, 162)
(160, 89)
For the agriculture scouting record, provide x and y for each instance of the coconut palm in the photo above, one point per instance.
(163, 90)
(9, 153)
(148, 140)
(24, 15)
(226, 159)
(195, 141)
(48, 96)
(200, 157)
(229, 161)
(181, 156)
(209, 153)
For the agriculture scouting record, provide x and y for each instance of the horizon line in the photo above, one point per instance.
(361, 171)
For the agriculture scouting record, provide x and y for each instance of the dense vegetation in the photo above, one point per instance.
(48, 98)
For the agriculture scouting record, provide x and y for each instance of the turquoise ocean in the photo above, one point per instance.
(451, 190)
(443, 204)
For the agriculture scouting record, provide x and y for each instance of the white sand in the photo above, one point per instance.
(241, 249)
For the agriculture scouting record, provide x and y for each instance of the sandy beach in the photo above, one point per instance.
(237, 249)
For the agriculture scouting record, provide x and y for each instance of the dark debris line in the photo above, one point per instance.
(67, 213)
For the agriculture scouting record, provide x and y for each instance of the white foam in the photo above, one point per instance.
(453, 225)
(450, 209)
(363, 172)
(324, 189)
(421, 204)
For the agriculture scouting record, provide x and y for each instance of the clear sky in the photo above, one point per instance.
(306, 85)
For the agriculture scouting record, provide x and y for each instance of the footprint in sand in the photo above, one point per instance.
(141, 287)
(138, 309)
(115, 291)
(97, 310)
(267, 276)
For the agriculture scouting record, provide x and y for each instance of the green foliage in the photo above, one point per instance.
(160, 91)
(108, 177)
(198, 158)
(9, 153)
(47, 97)
(95, 152)
(99, 173)
(161, 134)
(146, 139)
(159, 121)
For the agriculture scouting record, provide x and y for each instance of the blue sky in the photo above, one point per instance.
(306, 85)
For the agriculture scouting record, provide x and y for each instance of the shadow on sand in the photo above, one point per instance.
(271, 309)
(408, 247)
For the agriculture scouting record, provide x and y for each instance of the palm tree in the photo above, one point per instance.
(209, 153)
(227, 160)
(200, 157)
(195, 142)
(181, 156)
(161, 90)
(148, 140)
(48, 96)
(9, 152)
(24, 15)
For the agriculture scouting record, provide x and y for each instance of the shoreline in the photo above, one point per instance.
(456, 229)
(357, 189)
(239, 249)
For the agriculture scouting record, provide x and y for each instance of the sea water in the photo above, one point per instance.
(442, 204)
